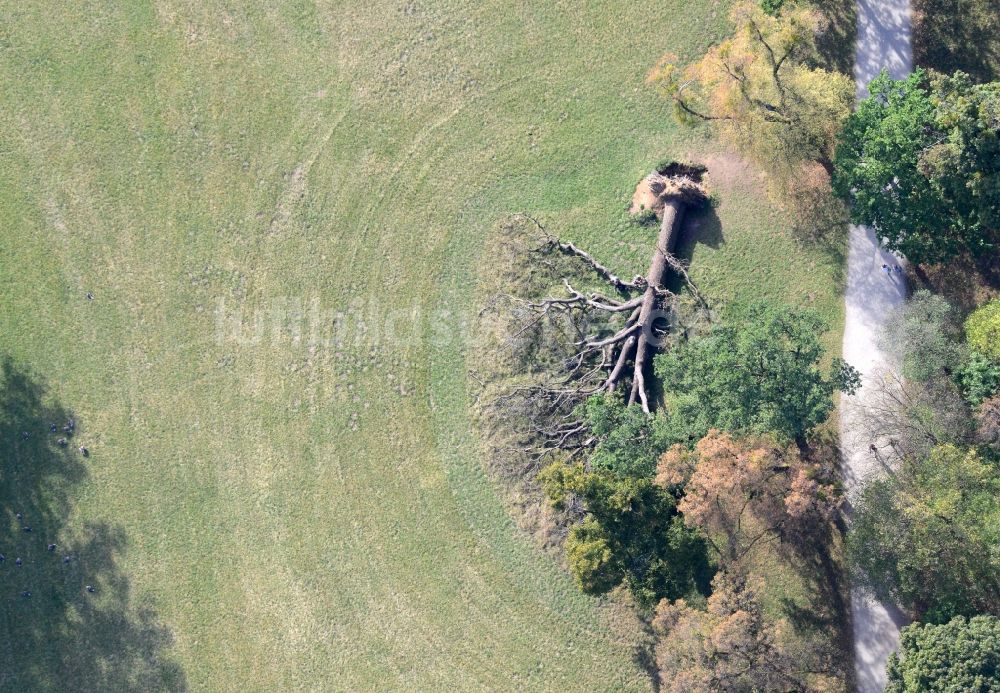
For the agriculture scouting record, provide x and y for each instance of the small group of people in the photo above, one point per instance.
(890, 269)
(51, 548)
(69, 428)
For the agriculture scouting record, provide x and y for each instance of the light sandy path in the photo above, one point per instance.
(883, 41)
(870, 296)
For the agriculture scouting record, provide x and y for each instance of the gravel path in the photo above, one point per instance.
(883, 41)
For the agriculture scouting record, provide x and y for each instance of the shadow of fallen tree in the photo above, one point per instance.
(701, 226)
(67, 617)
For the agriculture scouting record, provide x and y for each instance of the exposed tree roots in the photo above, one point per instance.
(603, 352)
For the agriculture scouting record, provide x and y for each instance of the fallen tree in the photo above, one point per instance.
(603, 341)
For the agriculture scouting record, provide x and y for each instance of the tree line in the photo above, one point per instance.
(926, 535)
(919, 160)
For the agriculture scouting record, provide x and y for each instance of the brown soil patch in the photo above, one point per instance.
(729, 170)
(644, 198)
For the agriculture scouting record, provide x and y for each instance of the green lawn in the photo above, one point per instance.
(291, 514)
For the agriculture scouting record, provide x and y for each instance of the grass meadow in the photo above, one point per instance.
(277, 495)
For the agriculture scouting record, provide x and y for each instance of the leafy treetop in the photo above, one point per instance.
(760, 87)
(629, 439)
(982, 329)
(632, 534)
(927, 536)
(961, 655)
(924, 334)
(742, 493)
(757, 372)
(919, 160)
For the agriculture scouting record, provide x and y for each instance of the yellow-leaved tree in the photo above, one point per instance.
(761, 90)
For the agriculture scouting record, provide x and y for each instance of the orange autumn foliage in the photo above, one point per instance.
(743, 492)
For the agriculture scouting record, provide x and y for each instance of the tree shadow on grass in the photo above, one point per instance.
(56, 634)
(820, 224)
(827, 609)
(644, 657)
(832, 245)
(836, 45)
(954, 35)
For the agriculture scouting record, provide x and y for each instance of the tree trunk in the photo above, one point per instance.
(670, 228)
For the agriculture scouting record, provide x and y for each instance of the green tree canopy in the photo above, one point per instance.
(928, 537)
(632, 534)
(979, 378)
(629, 440)
(758, 371)
(982, 329)
(961, 655)
(920, 161)
(925, 335)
